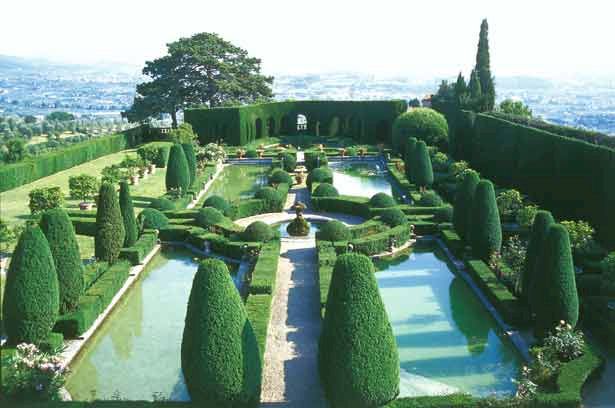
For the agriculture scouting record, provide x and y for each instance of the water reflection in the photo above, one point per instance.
(360, 179)
(239, 181)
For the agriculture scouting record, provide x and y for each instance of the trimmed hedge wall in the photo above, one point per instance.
(265, 269)
(144, 245)
(343, 204)
(29, 170)
(378, 243)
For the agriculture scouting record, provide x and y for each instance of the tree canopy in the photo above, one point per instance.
(200, 70)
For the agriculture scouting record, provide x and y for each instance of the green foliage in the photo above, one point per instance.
(251, 154)
(518, 108)
(366, 373)
(265, 269)
(191, 159)
(289, 161)
(83, 187)
(219, 353)
(7, 234)
(60, 116)
(219, 203)
(110, 232)
(509, 203)
(533, 278)
(607, 284)
(178, 173)
(486, 228)
(15, 150)
(409, 158)
(150, 218)
(382, 200)
(334, 231)
(483, 69)
(325, 190)
(31, 300)
(155, 152)
(128, 216)
(162, 204)
(136, 253)
(64, 248)
(430, 199)
(319, 175)
(580, 233)
(314, 160)
(393, 217)
(381, 242)
(526, 215)
(273, 199)
(424, 124)
(258, 231)
(208, 217)
(45, 198)
(559, 299)
(422, 172)
(280, 176)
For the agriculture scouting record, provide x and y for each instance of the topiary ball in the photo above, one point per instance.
(382, 200)
(208, 216)
(289, 162)
(258, 231)
(319, 175)
(334, 231)
(325, 190)
(393, 217)
(218, 203)
(162, 204)
(251, 153)
(424, 124)
(314, 160)
(280, 176)
(150, 218)
(430, 199)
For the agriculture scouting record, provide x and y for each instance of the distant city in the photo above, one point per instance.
(32, 87)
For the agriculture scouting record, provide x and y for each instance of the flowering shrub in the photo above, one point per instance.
(509, 202)
(33, 375)
(513, 254)
(211, 152)
(580, 233)
(526, 388)
(565, 343)
(440, 161)
(458, 169)
(525, 216)
(544, 368)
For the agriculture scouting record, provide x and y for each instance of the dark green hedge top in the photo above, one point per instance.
(218, 203)
(258, 231)
(486, 236)
(393, 217)
(280, 176)
(178, 171)
(382, 200)
(162, 204)
(110, 232)
(208, 216)
(425, 124)
(334, 231)
(289, 161)
(325, 190)
(150, 218)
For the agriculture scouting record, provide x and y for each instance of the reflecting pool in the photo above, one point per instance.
(361, 179)
(447, 341)
(239, 181)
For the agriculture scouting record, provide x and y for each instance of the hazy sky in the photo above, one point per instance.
(414, 38)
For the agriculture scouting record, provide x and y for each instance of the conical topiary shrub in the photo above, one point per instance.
(191, 159)
(60, 234)
(110, 232)
(463, 205)
(409, 157)
(357, 353)
(128, 216)
(559, 299)
(32, 299)
(422, 172)
(219, 354)
(178, 172)
(486, 235)
(531, 280)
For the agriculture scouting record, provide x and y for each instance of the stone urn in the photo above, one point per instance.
(152, 168)
(240, 154)
(260, 153)
(134, 180)
(342, 152)
(86, 206)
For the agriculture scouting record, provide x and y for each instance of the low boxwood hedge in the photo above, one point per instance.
(144, 245)
(369, 227)
(258, 308)
(378, 243)
(265, 269)
(343, 204)
(325, 190)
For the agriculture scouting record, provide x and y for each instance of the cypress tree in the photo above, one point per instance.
(409, 155)
(32, 299)
(357, 353)
(559, 299)
(462, 211)
(531, 274)
(191, 159)
(110, 231)
(60, 234)
(128, 216)
(461, 89)
(483, 68)
(178, 172)
(219, 354)
(421, 167)
(486, 234)
(476, 92)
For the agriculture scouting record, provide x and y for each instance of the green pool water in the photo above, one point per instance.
(135, 354)
(447, 340)
(239, 181)
(361, 179)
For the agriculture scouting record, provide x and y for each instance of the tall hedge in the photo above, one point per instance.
(409, 157)
(463, 205)
(110, 231)
(191, 159)
(559, 299)
(128, 215)
(531, 274)
(422, 170)
(357, 353)
(486, 234)
(178, 172)
(32, 299)
(60, 234)
(219, 353)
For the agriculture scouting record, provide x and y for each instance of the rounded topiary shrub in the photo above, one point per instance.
(150, 218)
(319, 175)
(382, 200)
(178, 172)
(219, 354)
(191, 159)
(462, 212)
(251, 153)
(257, 231)
(60, 234)
(314, 160)
(162, 204)
(272, 197)
(298, 227)
(444, 214)
(110, 231)
(486, 236)
(289, 161)
(325, 190)
(218, 203)
(334, 231)
(208, 216)
(425, 124)
(32, 299)
(430, 199)
(393, 217)
(559, 299)
(357, 353)
(280, 176)
(128, 216)
(531, 281)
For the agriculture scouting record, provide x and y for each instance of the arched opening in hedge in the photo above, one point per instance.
(270, 127)
(285, 125)
(383, 131)
(259, 128)
(302, 122)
